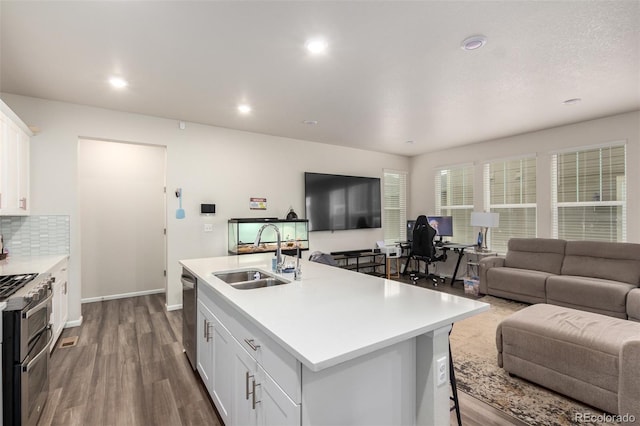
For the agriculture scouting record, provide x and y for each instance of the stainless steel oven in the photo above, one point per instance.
(27, 336)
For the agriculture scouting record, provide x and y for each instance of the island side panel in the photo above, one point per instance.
(432, 397)
(375, 389)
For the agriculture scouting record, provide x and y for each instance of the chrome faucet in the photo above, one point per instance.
(279, 241)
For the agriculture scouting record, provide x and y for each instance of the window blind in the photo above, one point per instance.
(395, 206)
(510, 189)
(454, 197)
(589, 194)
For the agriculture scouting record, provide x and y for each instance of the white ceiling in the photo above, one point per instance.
(394, 71)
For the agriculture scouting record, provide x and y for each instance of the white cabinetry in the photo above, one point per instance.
(251, 380)
(59, 305)
(14, 164)
(275, 407)
(204, 344)
(222, 380)
(258, 400)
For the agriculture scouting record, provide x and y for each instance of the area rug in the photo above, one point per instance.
(473, 345)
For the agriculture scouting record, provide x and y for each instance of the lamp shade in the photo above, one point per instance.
(485, 219)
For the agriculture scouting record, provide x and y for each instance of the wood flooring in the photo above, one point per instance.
(128, 368)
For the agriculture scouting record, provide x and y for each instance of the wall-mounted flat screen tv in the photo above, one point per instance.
(336, 202)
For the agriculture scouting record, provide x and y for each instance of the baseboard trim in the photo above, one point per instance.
(122, 296)
(173, 307)
(74, 323)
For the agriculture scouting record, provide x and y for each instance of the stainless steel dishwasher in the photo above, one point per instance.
(189, 315)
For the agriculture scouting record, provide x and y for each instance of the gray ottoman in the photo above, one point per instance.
(590, 357)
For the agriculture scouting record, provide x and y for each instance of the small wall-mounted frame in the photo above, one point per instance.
(207, 208)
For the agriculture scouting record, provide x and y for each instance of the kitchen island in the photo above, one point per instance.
(336, 347)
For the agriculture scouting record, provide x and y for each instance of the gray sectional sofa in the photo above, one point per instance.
(574, 339)
(591, 276)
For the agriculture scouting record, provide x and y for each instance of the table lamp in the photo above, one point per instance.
(485, 220)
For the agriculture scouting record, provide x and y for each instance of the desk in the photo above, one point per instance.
(457, 248)
(445, 247)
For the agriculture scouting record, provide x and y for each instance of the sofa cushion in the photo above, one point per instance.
(633, 305)
(539, 254)
(518, 284)
(589, 294)
(567, 350)
(629, 386)
(486, 264)
(609, 261)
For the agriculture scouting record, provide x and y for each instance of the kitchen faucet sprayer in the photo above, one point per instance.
(278, 251)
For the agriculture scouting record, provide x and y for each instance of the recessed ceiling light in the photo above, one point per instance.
(572, 101)
(473, 43)
(310, 122)
(244, 108)
(118, 82)
(316, 46)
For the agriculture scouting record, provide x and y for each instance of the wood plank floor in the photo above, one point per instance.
(128, 368)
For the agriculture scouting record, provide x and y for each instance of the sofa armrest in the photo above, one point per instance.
(486, 264)
(633, 305)
(629, 380)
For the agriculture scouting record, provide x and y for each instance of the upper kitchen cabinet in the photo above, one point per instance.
(14, 164)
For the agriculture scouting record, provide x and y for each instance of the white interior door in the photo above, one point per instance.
(122, 211)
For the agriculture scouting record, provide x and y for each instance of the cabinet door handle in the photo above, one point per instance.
(246, 382)
(204, 329)
(23, 203)
(253, 395)
(252, 344)
(208, 331)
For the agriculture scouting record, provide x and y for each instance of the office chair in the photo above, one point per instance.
(424, 250)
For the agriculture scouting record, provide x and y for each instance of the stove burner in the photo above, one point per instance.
(9, 284)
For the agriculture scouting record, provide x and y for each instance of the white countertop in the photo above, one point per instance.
(14, 265)
(333, 315)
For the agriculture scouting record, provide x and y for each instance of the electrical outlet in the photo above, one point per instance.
(441, 371)
(208, 227)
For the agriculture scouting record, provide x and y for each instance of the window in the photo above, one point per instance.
(510, 189)
(589, 194)
(395, 206)
(454, 197)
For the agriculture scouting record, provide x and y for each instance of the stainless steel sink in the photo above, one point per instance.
(264, 282)
(240, 276)
(248, 279)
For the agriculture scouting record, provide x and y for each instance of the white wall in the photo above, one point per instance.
(210, 164)
(623, 127)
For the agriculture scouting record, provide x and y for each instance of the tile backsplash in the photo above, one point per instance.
(35, 235)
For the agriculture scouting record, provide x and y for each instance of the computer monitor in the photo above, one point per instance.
(442, 224)
(410, 225)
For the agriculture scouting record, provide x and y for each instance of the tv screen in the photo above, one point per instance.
(442, 224)
(336, 202)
